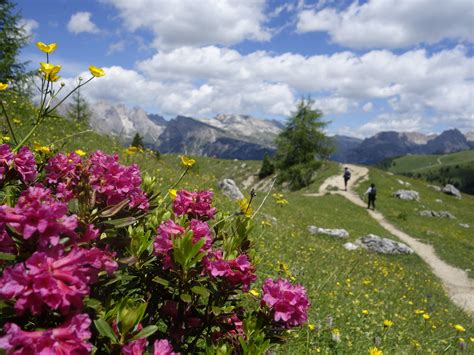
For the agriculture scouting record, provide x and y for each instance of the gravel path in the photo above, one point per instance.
(458, 285)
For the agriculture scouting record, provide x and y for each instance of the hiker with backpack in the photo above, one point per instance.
(371, 194)
(346, 176)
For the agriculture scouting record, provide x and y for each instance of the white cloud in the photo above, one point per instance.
(116, 47)
(393, 122)
(190, 22)
(392, 23)
(368, 107)
(28, 25)
(81, 22)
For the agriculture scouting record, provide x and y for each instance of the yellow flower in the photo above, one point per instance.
(459, 328)
(254, 292)
(80, 152)
(471, 340)
(3, 86)
(387, 323)
(96, 71)
(41, 148)
(47, 48)
(245, 207)
(187, 162)
(16, 121)
(374, 351)
(311, 326)
(426, 316)
(172, 193)
(282, 201)
(419, 311)
(50, 71)
(5, 139)
(336, 335)
(131, 150)
(365, 312)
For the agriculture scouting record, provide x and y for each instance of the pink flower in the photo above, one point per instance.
(38, 214)
(136, 347)
(235, 272)
(6, 159)
(64, 173)
(163, 243)
(288, 303)
(24, 163)
(7, 245)
(71, 338)
(163, 347)
(114, 182)
(201, 231)
(59, 282)
(194, 204)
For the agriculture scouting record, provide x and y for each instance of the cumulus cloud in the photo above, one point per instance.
(81, 22)
(189, 22)
(392, 23)
(368, 107)
(393, 122)
(28, 26)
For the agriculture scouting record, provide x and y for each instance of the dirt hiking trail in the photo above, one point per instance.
(458, 285)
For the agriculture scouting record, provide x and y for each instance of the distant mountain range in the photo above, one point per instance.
(245, 137)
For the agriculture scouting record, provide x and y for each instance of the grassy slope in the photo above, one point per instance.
(340, 283)
(420, 163)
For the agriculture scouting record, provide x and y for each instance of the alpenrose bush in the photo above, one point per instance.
(93, 260)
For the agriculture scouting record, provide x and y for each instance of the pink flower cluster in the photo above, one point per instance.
(64, 173)
(163, 347)
(137, 347)
(71, 338)
(59, 282)
(167, 230)
(23, 163)
(115, 182)
(288, 303)
(38, 214)
(194, 204)
(234, 271)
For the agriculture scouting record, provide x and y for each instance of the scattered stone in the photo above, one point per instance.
(464, 225)
(337, 233)
(243, 166)
(408, 195)
(230, 189)
(429, 213)
(451, 190)
(434, 187)
(405, 183)
(439, 200)
(383, 245)
(351, 246)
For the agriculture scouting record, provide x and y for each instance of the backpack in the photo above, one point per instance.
(347, 174)
(373, 192)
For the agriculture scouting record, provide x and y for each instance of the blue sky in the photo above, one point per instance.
(404, 65)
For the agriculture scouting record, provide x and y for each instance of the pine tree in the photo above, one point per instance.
(302, 145)
(78, 109)
(267, 168)
(12, 39)
(137, 141)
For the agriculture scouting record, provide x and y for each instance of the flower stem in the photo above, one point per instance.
(8, 122)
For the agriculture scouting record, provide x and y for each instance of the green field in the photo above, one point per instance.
(342, 285)
(456, 168)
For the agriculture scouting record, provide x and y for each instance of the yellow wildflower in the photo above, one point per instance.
(471, 340)
(311, 326)
(387, 323)
(254, 292)
(282, 201)
(419, 311)
(365, 312)
(95, 71)
(266, 223)
(41, 148)
(50, 71)
(459, 328)
(336, 335)
(172, 193)
(80, 152)
(5, 139)
(131, 150)
(375, 351)
(245, 207)
(16, 121)
(47, 48)
(3, 86)
(187, 162)
(426, 316)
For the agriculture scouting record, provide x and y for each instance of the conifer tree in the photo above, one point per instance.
(78, 108)
(267, 168)
(137, 141)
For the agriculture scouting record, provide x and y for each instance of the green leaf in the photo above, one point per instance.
(202, 291)
(113, 210)
(104, 329)
(73, 205)
(7, 256)
(121, 222)
(185, 297)
(145, 332)
(161, 281)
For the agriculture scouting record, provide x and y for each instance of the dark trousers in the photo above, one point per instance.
(345, 182)
(371, 202)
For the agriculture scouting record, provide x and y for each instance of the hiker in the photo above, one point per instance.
(347, 176)
(371, 194)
